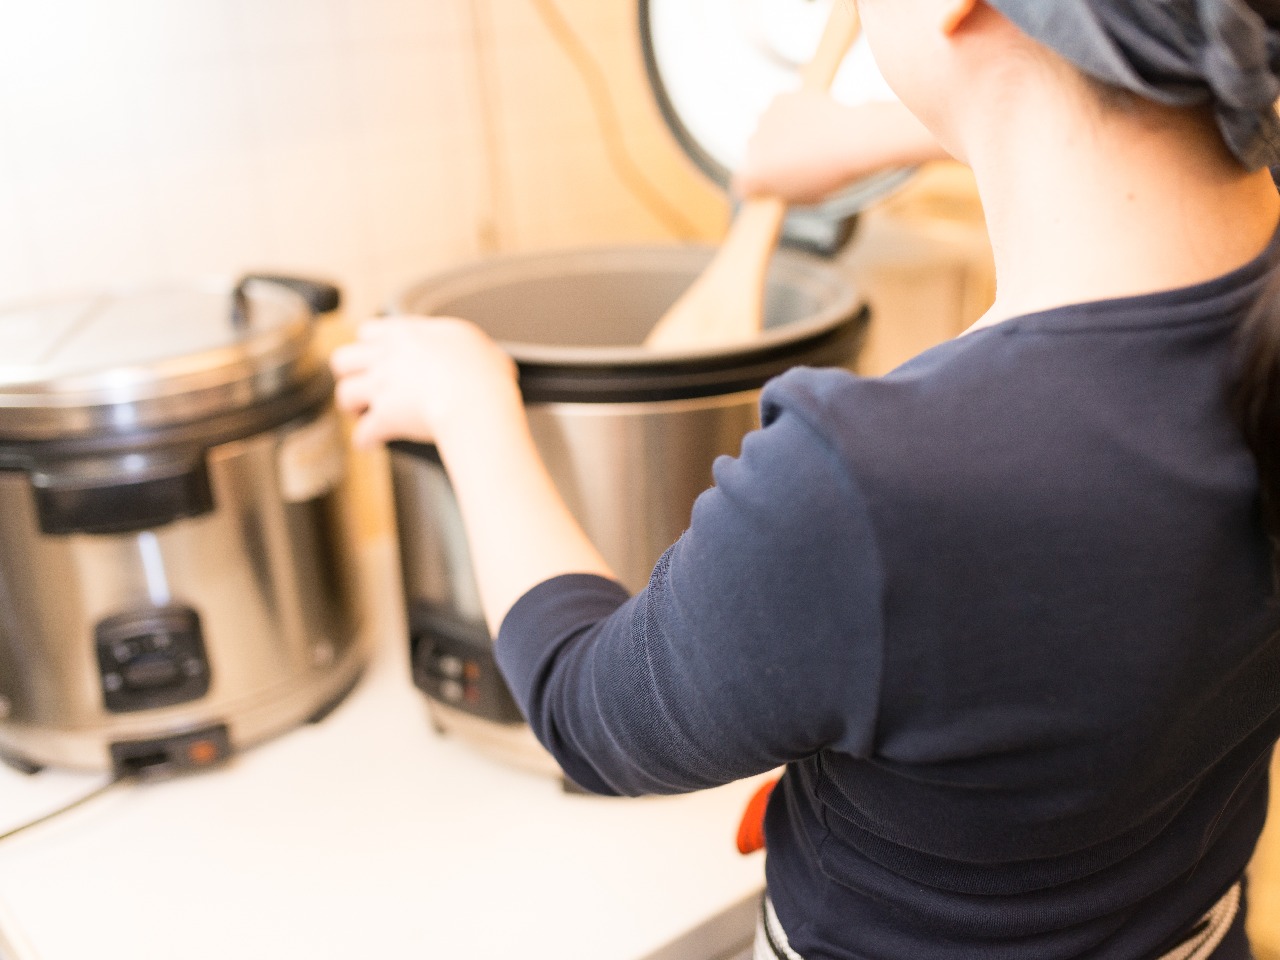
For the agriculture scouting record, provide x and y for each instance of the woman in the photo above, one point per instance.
(1007, 614)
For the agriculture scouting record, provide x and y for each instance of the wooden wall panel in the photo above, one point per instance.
(555, 173)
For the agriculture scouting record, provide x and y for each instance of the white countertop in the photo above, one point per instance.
(365, 836)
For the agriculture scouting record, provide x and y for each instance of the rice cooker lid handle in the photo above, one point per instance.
(320, 297)
(72, 363)
(715, 65)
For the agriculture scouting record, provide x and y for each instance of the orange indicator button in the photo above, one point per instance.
(201, 752)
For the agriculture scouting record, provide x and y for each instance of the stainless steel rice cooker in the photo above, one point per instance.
(176, 577)
(629, 434)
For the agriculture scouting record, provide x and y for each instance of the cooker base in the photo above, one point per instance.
(512, 744)
(145, 743)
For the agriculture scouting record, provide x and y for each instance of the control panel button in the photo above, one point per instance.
(151, 670)
(165, 756)
(151, 658)
(449, 666)
(453, 663)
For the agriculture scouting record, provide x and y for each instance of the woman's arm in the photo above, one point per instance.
(757, 639)
(445, 381)
(807, 146)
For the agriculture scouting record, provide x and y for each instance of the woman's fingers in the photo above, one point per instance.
(369, 431)
(416, 378)
(351, 359)
(353, 393)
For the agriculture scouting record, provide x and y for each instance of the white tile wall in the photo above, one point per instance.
(15, 253)
(152, 139)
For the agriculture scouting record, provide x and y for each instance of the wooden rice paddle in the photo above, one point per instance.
(725, 305)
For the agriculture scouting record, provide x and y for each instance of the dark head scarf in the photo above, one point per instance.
(1221, 53)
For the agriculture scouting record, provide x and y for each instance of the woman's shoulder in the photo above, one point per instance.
(1012, 380)
(957, 388)
(1008, 417)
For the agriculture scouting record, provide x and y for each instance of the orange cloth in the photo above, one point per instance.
(751, 829)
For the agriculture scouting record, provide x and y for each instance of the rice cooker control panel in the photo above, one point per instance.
(453, 663)
(151, 658)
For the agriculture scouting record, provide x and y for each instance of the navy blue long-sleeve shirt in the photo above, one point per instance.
(1006, 615)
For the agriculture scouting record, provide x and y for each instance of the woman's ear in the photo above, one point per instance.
(957, 14)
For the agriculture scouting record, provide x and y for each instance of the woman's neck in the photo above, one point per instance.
(1089, 203)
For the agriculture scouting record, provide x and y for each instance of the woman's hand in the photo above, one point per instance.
(446, 381)
(422, 379)
(798, 151)
(807, 146)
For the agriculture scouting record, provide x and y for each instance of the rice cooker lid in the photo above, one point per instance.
(715, 66)
(127, 360)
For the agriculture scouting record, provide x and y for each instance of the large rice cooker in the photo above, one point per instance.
(629, 434)
(175, 557)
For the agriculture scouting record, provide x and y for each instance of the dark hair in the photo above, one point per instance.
(1255, 402)
(1112, 98)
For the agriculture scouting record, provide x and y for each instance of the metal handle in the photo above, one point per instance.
(320, 296)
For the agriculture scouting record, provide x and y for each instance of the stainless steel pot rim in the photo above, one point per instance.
(840, 301)
(640, 356)
(110, 430)
(131, 385)
(38, 399)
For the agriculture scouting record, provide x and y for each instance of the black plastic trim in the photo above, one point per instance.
(165, 756)
(69, 503)
(687, 379)
(421, 451)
